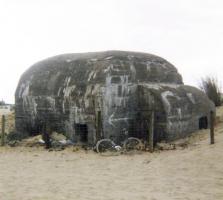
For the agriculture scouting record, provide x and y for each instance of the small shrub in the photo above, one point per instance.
(13, 135)
(212, 89)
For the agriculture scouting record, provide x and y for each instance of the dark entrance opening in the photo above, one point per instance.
(203, 122)
(142, 129)
(81, 130)
(139, 128)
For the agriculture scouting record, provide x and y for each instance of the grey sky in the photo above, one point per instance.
(188, 33)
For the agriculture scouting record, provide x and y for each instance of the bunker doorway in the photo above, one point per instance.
(149, 126)
(143, 129)
(139, 129)
(81, 130)
(203, 122)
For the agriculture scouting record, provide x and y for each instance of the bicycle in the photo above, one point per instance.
(107, 146)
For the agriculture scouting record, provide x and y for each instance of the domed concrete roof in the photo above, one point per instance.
(81, 69)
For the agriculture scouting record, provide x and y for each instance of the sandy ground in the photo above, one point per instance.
(193, 173)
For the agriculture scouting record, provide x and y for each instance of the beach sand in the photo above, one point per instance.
(191, 173)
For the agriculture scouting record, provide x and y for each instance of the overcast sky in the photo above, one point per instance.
(188, 33)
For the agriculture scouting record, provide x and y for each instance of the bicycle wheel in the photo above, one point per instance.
(105, 145)
(132, 143)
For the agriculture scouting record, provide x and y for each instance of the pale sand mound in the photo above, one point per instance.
(10, 122)
(194, 173)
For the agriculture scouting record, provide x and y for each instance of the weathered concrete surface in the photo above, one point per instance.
(113, 90)
(179, 109)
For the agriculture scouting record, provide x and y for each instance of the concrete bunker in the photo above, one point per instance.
(109, 94)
